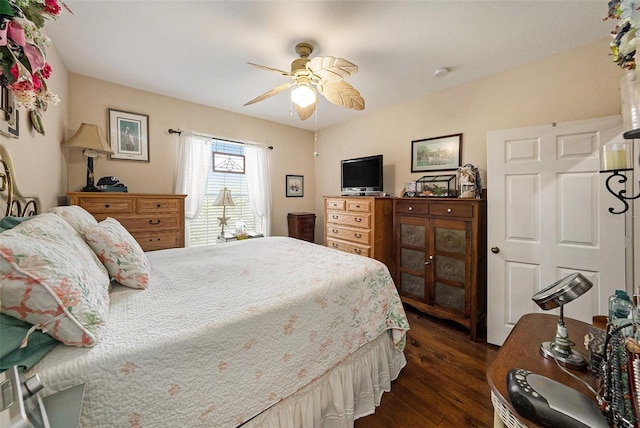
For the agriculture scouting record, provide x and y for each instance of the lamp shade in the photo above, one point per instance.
(303, 96)
(224, 199)
(89, 137)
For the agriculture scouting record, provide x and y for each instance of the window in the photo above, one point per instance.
(206, 228)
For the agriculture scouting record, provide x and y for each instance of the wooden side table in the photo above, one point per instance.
(302, 226)
(521, 349)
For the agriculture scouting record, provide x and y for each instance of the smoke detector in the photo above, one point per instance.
(441, 72)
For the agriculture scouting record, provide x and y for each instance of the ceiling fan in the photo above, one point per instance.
(312, 75)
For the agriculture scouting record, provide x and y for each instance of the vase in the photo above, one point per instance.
(630, 96)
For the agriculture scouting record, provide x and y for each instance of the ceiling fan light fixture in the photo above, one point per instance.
(303, 95)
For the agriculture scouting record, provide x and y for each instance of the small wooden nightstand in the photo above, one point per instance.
(302, 226)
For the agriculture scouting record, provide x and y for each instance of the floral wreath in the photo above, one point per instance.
(23, 66)
(625, 38)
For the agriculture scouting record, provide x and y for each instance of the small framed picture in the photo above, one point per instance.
(295, 186)
(436, 154)
(129, 135)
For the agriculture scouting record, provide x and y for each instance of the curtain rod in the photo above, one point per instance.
(174, 131)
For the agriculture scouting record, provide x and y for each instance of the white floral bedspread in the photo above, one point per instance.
(225, 331)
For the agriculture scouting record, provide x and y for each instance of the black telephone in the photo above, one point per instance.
(550, 403)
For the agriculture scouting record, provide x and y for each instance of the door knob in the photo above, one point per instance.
(495, 250)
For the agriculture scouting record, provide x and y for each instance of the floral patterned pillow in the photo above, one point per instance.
(119, 252)
(52, 279)
(76, 216)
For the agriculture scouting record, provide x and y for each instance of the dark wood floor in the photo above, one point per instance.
(443, 383)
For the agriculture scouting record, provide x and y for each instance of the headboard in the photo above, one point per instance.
(16, 203)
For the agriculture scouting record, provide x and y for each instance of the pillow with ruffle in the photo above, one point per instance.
(120, 253)
(53, 280)
(76, 216)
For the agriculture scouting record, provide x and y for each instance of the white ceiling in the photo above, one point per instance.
(198, 50)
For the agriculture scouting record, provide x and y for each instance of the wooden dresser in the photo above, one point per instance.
(302, 226)
(361, 225)
(441, 263)
(156, 221)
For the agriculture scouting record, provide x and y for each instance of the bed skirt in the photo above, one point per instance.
(349, 391)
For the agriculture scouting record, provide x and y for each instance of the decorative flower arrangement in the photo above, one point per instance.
(625, 37)
(23, 66)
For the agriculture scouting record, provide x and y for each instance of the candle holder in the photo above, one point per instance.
(616, 160)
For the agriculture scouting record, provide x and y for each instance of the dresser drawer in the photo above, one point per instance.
(347, 247)
(336, 204)
(150, 241)
(145, 206)
(359, 206)
(108, 206)
(349, 219)
(451, 210)
(149, 223)
(416, 207)
(346, 233)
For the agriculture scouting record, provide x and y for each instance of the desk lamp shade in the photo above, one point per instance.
(557, 295)
(223, 200)
(89, 138)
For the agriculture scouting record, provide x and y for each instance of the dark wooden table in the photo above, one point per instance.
(521, 349)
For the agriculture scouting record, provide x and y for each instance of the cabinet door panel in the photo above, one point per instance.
(412, 259)
(412, 284)
(449, 296)
(450, 240)
(412, 234)
(450, 268)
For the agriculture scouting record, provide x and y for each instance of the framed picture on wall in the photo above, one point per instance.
(295, 186)
(129, 135)
(436, 154)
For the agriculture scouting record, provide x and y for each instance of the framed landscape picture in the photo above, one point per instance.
(436, 154)
(129, 135)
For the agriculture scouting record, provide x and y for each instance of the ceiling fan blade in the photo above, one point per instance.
(331, 69)
(264, 67)
(342, 94)
(305, 112)
(271, 93)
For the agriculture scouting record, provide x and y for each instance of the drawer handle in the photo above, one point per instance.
(154, 222)
(334, 245)
(357, 250)
(358, 220)
(334, 230)
(449, 210)
(159, 205)
(357, 206)
(335, 217)
(357, 235)
(106, 205)
(410, 208)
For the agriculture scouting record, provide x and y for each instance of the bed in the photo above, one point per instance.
(266, 332)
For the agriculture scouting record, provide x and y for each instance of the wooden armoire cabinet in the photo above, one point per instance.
(441, 261)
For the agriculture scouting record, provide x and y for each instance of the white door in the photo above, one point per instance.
(548, 217)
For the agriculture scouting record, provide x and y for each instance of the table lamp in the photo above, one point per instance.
(223, 200)
(89, 138)
(559, 294)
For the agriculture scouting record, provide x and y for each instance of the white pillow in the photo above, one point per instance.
(76, 216)
(50, 276)
(119, 252)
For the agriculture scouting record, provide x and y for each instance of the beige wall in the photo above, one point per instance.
(37, 158)
(90, 100)
(578, 84)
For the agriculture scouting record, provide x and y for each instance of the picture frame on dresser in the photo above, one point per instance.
(129, 135)
(295, 186)
(436, 154)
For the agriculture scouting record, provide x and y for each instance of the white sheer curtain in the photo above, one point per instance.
(258, 183)
(192, 169)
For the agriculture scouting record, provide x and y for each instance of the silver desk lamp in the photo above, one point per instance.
(559, 294)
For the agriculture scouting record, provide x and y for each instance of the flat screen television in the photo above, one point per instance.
(361, 176)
